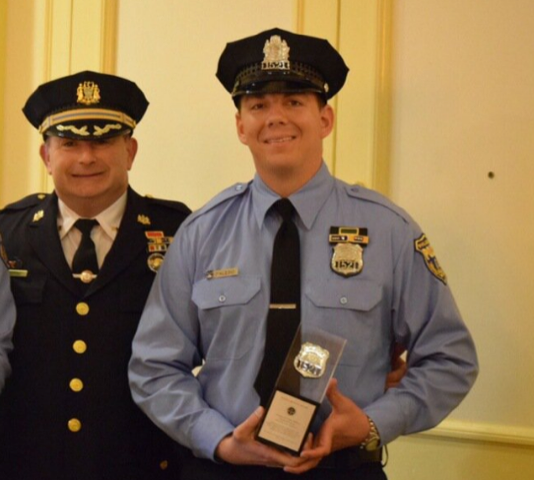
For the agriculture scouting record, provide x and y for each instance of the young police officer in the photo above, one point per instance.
(367, 274)
(82, 260)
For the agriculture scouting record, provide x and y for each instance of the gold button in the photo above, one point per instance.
(74, 425)
(79, 346)
(163, 465)
(76, 385)
(82, 308)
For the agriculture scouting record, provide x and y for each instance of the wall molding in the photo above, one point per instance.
(482, 433)
(358, 151)
(79, 35)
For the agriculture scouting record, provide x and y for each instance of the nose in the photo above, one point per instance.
(86, 152)
(277, 114)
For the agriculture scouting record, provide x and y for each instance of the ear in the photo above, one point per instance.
(240, 128)
(131, 148)
(327, 120)
(45, 157)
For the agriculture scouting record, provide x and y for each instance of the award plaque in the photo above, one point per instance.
(300, 389)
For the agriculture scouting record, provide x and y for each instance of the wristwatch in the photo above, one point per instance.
(372, 441)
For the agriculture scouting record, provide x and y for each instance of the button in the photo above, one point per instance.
(239, 187)
(74, 425)
(343, 300)
(79, 346)
(82, 308)
(76, 385)
(163, 465)
(222, 299)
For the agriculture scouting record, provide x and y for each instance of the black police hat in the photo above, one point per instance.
(86, 106)
(280, 61)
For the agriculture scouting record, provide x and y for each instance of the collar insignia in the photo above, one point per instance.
(38, 215)
(143, 220)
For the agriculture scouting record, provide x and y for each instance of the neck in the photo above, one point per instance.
(286, 183)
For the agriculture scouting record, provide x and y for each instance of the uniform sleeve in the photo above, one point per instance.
(442, 361)
(166, 348)
(7, 323)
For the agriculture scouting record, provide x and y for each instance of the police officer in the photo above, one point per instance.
(367, 274)
(80, 287)
(7, 318)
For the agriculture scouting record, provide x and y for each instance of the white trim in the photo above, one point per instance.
(482, 432)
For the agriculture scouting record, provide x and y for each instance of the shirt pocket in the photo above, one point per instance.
(349, 308)
(228, 310)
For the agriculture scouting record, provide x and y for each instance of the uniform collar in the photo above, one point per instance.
(307, 201)
(109, 219)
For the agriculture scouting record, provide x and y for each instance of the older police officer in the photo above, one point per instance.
(367, 274)
(83, 259)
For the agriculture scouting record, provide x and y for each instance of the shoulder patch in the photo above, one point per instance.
(422, 245)
(27, 202)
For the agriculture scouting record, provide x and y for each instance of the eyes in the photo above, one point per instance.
(69, 143)
(261, 103)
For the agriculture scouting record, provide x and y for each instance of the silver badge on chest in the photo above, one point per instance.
(348, 244)
(347, 259)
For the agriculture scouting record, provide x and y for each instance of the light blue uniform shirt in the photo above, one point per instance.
(7, 323)
(190, 318)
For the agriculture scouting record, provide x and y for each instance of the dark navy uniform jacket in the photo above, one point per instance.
(66, 412)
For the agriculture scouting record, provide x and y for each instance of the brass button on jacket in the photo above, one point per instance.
(74, 425)
(82, 308)
(76, 385)
(79, 346)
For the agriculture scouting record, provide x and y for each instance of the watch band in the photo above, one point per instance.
(372, 441)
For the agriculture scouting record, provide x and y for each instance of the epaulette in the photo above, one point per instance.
(27, 202)
(173, 204)
(366, 194)
(227, 194)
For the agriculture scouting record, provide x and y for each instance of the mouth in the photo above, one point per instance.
(86, 175)
(279, 140)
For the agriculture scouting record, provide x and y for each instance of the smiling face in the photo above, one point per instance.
(89, 176)
(284, 133)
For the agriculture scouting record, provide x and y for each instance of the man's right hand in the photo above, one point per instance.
(241, 447)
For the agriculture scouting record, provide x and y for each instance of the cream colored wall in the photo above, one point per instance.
(460, 108)
(188, 145)
(462, 112)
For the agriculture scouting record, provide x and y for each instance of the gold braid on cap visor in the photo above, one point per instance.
(80, 114)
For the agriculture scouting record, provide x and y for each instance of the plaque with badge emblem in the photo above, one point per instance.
(300, 389)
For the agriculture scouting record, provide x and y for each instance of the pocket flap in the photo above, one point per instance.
(220, 292)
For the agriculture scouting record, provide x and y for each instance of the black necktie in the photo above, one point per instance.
(84, 260)
(284, 312)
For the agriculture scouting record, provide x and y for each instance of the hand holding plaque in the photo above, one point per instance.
(300, 389)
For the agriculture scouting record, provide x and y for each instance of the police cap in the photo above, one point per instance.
(86, 106)
(278, 61)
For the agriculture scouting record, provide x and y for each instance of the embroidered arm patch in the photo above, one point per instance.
(422, 245)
